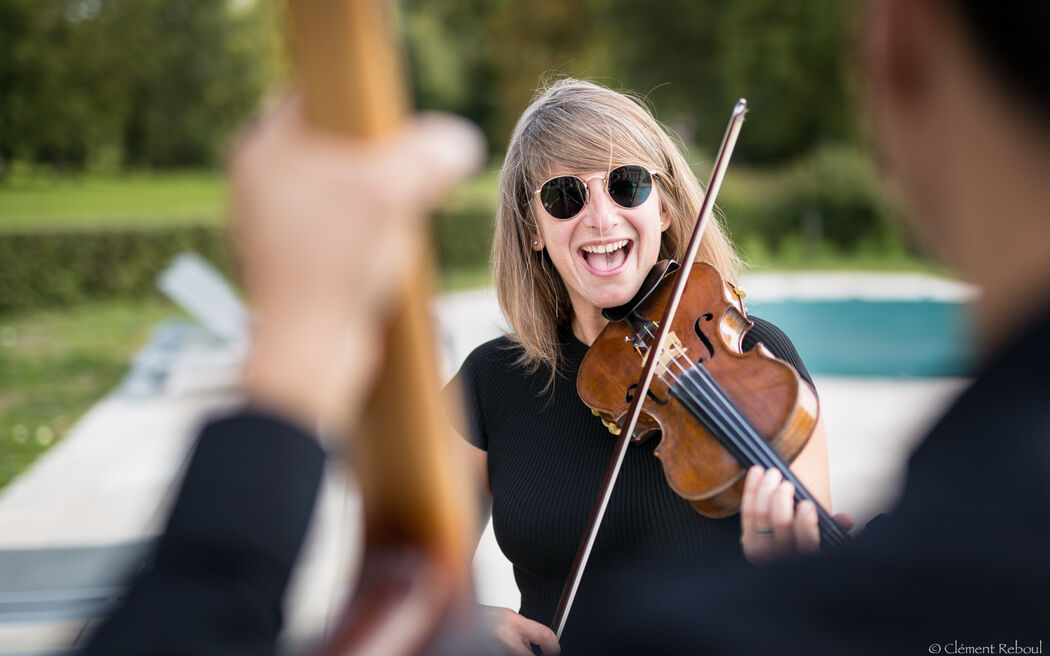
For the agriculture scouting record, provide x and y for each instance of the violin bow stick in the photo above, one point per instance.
(415, 500)
(612, 472)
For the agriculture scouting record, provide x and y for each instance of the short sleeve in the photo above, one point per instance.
(463, 406)
(763, 332)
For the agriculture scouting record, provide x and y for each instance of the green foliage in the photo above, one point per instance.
(787, 59)
(49, 268)
(691, 58)
(132, 82)
(165, 83)
(69, 239)
(53, 268)
(669, 51)
(463, 226)
(831, 197)
(102, 240)
(484, 59)
(54, 364)
(462, 236)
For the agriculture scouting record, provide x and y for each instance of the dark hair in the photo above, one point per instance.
(1012, 38)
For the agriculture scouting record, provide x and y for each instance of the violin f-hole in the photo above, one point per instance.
(703, 338)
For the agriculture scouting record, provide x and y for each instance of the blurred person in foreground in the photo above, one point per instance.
(317, 225)
(958, 92)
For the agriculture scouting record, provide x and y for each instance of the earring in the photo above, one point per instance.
(535, 242)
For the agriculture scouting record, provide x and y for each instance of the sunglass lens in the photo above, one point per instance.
(629, 186)
(563, 197)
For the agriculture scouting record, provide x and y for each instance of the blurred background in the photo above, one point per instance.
(114, 119)
(115, 116)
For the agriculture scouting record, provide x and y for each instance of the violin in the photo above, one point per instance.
(719, 409)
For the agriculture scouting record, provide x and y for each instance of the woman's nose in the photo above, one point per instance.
(600, 213)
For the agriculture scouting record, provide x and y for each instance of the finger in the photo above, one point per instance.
(844, 521)
(807, 535)
(782, 518)
(542, 636)
(758, 541)
(434, 152)
(747, 500)
(763, 499)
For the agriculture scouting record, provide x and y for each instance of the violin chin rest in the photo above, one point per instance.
(660, 270)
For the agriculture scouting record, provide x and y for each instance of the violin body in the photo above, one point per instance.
(708, 332)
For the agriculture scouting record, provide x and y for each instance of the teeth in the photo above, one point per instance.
(604, 248)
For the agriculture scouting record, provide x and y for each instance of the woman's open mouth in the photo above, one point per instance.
(607, 258)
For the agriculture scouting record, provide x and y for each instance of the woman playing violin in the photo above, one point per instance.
(593, 192)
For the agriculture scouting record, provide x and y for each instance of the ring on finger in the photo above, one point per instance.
(764, 530)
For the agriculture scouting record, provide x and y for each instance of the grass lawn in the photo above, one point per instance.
(55, 364)
(35, 199)
(30, 200)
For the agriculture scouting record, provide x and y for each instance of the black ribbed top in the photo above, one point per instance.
(546, 457)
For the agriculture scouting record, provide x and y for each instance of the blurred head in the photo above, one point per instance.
(959, 97)
(582, 128)
(1009, 38)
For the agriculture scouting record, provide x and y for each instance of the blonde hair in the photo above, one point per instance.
(583, 126)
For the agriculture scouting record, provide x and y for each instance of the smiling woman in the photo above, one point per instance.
(592, 193)
(580, 129)
(599, 243)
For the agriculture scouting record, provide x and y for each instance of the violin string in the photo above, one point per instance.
(745, 438)
(737, 444)
(742, 435)
(831, 529)
(757, 450)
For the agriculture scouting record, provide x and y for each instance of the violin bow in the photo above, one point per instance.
(612, 472)
(417, 523)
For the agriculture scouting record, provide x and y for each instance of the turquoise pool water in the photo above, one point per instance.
(850, 337)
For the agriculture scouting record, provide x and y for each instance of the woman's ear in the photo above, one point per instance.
(665, 218)
(537, 242)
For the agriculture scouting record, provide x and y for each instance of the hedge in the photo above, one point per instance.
(55, 268)
(833, 196)
(52, 268)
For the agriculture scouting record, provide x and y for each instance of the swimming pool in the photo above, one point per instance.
(871, 325)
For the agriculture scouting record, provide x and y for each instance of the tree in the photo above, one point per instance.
(787, 59)
(155, 83)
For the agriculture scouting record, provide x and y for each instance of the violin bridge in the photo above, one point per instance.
(673, 350)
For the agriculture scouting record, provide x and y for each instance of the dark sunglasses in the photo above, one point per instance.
(564, 197)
